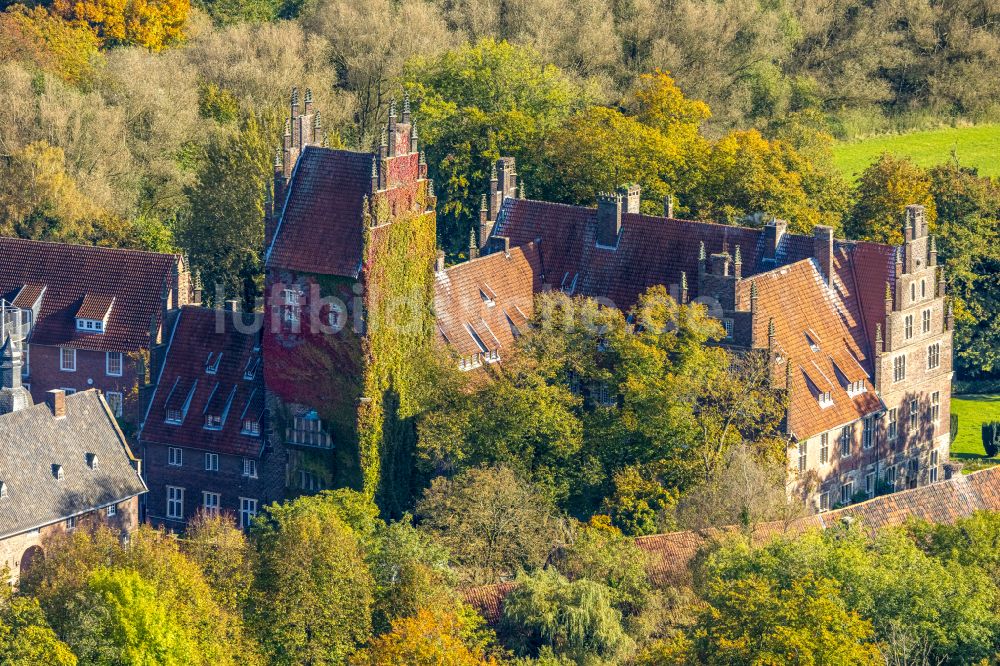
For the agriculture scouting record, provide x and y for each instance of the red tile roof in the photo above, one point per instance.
(651, 250)
(186, 385)
(488, 599)
(487, 301)
(70, 274)
(95, 306)
(320, 230)
(821, 330)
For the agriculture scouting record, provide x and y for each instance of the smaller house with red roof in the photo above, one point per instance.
(204, 438)
(87, 317)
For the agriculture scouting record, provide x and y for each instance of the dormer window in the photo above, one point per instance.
(90, 325)
(92, 461)
(251, 370)
(174, 416)
(251, 427)
(213, 422)
(57, 471)
(488, 300)
(825, 399)
(212, 363)
(855, 388)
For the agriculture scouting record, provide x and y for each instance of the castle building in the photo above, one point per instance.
(89, 317)
(205, 437)
(63, 462)
(349, 261)
(859, 334)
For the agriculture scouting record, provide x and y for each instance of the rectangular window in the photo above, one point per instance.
(211, 462)
(175, 456)
(913, 416)
(870, 484)
(114, 400)
(846, 435)
(113, 364)
(899, 368)
(26, 362)
(892, 429)
(67, 390)
(803, 457)
(67, 359)
(908, 326)
(868, 432)
(727, 325)
(111, 510)
(251, 427)
(935, 406)
(210, 503)
(846, 492)
(824, 501)
(824, 448)
(890, 477)
(925, 321)
(175, 502)
(250, 468)
(934, 356)
(248, 510)
(934, 466)
(175, 416)
(213, 422)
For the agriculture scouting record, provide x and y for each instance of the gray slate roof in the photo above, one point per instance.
(32, 440)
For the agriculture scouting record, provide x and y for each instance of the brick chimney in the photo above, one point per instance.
(56, 400)
(823, 251)
(609, 218)
(773, 232)
(668, 206)
(633, 196)
(503, 185)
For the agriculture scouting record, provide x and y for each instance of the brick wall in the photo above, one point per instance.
(191, 475)
(14, 549)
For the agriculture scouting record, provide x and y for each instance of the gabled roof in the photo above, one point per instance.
(95, 306)
(823, 333)
(32, 441)
(72, 275)
(320, 230)
(481, 305)
(185, 385)
(651, 250)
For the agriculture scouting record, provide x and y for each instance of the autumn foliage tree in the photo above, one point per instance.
(427, 638)
(154, 24)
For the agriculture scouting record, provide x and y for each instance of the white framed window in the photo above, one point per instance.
(868, 432)
(925, 321)
(934, 356)
(890, 476)
(111, 510)
(727, 326)
(870, 484)
(846, 492)
(211, 462)
(893, 429)
(248, 510)
(175, 416)
(113, 364)
(90, 325)
(899, 368)
(210, 503)
(824, 501)
(824, 448)
(935, 406)
(67, 359)
(803, 457)
(175, 502)
(213, 422)
(114, 400)
(825, 399)
(913, 416)
(934, 467)
(846, 435)
(908, 326)
(175, 456)
(251, 427)
(250, 468)
(71, 523)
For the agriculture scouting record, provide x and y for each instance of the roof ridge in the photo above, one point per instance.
(101, 248)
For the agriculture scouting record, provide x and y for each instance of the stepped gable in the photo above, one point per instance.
(208, 373)
(483, 304)
(650, 251)
(68, 281)
(321, 229)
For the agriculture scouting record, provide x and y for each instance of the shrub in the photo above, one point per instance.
(991, 438)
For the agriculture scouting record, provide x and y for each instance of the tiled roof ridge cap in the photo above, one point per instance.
(126, 250)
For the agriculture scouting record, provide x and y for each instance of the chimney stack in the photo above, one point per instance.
(56, 400)
(773, 232)
(633, 196)
(823, 251)
(439, 262)
(609, 218)
(668, 206)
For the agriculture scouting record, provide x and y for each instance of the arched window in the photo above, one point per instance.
(923, 289)
(913, 291)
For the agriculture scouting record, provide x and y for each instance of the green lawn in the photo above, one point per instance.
(972, 411)
(977, 146)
